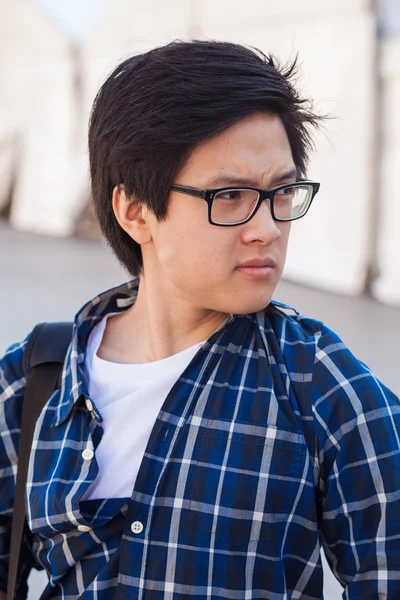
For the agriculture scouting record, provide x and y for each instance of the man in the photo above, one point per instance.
(206, 441)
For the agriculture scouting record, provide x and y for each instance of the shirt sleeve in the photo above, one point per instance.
(357, 422)
(12, 389)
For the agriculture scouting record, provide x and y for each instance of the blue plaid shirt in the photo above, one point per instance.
(274, 441)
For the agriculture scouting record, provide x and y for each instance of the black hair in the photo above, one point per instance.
(156, 107)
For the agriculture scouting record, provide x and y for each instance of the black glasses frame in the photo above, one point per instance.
(209, 194)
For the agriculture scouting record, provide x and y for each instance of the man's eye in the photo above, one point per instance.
(285, 193)
(230, 195)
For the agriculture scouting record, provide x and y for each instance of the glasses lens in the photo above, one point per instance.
(233, 205)
(292, 202)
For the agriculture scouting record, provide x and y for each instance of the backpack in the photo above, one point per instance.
(42, 364)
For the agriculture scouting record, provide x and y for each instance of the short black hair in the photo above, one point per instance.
(156, 107)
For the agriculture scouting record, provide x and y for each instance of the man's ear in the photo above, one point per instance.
(131, 215)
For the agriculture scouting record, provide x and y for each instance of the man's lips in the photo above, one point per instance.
(259, 263)
(258, 267)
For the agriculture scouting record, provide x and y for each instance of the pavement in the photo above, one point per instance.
(49, 279)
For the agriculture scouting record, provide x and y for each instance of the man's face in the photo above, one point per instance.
(199, 263)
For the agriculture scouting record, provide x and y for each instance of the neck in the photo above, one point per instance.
(158, 325)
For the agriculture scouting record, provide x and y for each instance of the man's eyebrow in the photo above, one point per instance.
(224, 179)
(292, 174)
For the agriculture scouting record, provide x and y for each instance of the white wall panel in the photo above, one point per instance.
(387, 285)
(7, 150)
(37, 73)
(229, 12)
(330, 246)
(126, 29)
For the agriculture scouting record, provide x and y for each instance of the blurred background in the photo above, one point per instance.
(55, 55)
(343, 264)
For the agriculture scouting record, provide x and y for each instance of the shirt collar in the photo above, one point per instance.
(117, 299)
(73, 386)
(284, 307)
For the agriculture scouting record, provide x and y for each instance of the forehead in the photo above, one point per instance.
(257, 147)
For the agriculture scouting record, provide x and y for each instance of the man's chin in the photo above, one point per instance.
(250, 306)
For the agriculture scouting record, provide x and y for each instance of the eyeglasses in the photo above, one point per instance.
(229, 206)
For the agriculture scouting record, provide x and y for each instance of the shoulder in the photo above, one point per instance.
(296, 329)
(348, 403)
(12, 377)
(351, 405)
(12, 386)
(337, 376)
(292, 328)
(12, 391)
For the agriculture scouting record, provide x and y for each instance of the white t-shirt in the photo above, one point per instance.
(129, 398)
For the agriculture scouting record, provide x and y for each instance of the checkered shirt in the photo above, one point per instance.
(273, 442)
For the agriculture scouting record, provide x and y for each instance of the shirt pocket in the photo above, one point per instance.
(244, 487)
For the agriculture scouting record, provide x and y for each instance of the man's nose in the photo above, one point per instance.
(262, 226)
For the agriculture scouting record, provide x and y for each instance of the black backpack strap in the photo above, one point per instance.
(42, 363)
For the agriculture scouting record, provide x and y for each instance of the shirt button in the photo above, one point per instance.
(84, 528)
(89, 405)
(137, 527)
(87, 454)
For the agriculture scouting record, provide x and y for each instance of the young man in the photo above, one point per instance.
(206, 441)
